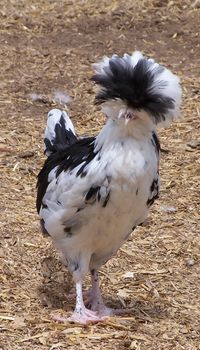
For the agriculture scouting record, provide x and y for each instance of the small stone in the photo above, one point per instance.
(190, 262)
(128, 274)
(194, 144)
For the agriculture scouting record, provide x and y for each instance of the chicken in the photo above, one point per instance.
(92, 192)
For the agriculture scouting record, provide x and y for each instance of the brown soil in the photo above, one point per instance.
(49, 45)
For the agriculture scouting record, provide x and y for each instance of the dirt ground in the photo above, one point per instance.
(50, 45)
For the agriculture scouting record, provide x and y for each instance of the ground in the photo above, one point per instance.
(48, 46)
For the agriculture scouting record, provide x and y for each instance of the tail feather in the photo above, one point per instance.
(59, 132)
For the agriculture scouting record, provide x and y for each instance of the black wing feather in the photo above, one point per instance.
(66, 158)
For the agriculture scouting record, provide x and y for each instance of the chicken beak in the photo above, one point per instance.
(126, 120)
(127, 115)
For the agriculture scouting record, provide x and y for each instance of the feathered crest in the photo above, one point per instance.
(139, 83)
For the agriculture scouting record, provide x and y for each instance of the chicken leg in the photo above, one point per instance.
(81, 314)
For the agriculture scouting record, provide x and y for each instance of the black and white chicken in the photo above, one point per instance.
(92, 192)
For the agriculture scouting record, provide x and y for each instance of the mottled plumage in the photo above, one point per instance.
(93, 192)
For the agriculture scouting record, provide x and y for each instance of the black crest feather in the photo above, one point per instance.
(134, 85)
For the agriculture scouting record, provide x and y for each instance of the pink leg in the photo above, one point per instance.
(81, 314)
(95, 300)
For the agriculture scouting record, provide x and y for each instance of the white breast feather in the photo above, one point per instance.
(101, 231)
